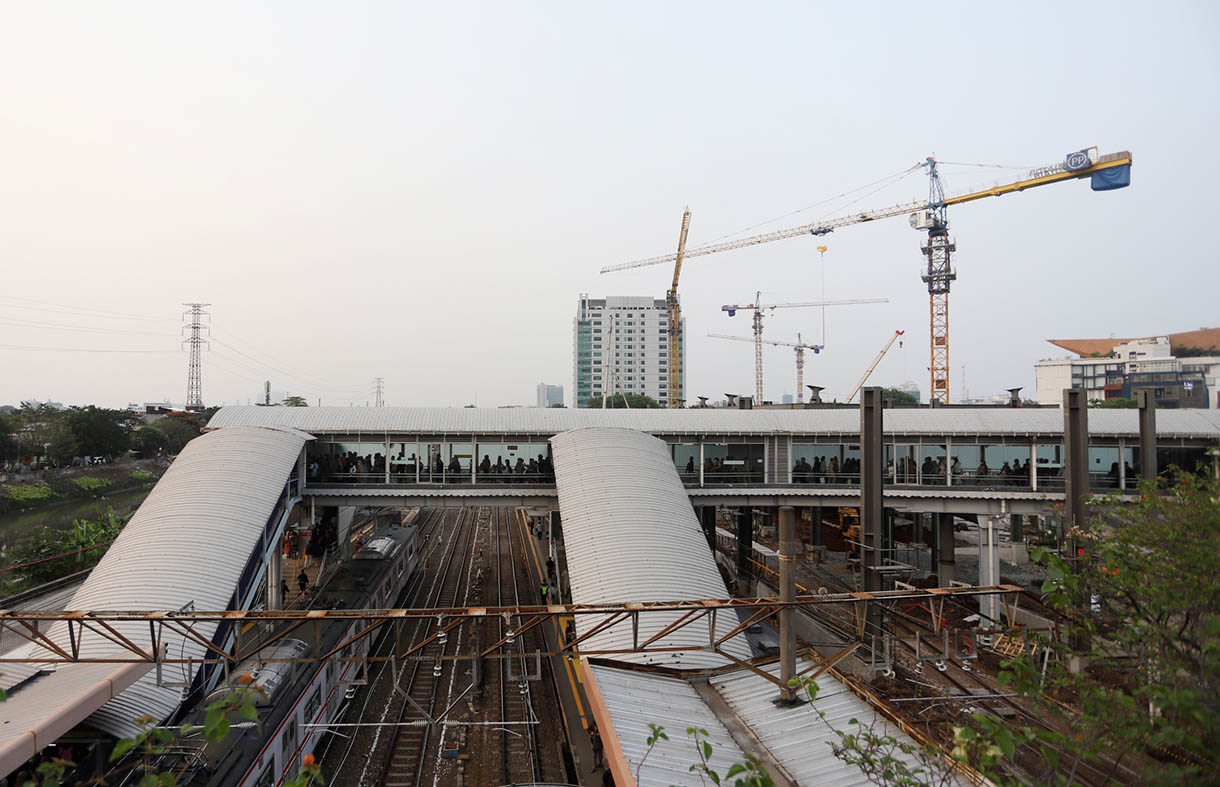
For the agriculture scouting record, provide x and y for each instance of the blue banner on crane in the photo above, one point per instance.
(1112, 178)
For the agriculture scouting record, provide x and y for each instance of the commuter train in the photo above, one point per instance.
(295, 700)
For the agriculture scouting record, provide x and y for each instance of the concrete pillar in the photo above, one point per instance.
(275, 573)
(945, 562)
(1147, 406)
(707, 520)
(872, 458)
(788, 550)
(1076, 456)
(1017, 528)
(745, 544)
(343, 530)
(989, 570)
(815, 526)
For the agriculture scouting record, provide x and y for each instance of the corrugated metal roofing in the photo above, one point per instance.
(187, 543)
(799, 736)
(630, 534)
(636, 699)
(550, 421)
(39, 713)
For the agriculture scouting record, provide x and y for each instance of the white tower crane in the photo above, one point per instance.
(758, 306)
(800, 356)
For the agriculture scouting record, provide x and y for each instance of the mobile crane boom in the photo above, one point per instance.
(869, 371)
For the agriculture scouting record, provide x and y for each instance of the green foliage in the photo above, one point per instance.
(46, 543)
(1117, 403)
(149, 441)
(179, 429)
(62, 445)
(1140, 594)
(28, 494)
(750, 772)
(1188, 351)
(295, 401)
(895, 396)
(633, 401)
(142, 476)
(91, 484)
(99, 431)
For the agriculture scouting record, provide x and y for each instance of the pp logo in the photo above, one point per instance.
(1077, 160)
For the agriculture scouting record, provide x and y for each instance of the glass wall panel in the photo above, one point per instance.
(347, 463)
(932, 467)
(404, 463)
(1104, 470)
(457, 462)
(515, 463)
(990, 465)
(686, 459)
(906, 464)
(1050, 467)
(812, 464)
(733, 463)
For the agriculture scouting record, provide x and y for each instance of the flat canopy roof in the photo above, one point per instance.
(385, 421)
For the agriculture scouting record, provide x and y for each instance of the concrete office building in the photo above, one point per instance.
(549, 395)
(621, 345)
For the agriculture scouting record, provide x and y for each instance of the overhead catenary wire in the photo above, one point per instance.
(86, 311)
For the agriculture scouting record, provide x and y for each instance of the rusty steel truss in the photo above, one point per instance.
(24, 625)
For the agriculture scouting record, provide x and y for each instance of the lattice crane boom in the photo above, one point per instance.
(800, 348)
(869, 371)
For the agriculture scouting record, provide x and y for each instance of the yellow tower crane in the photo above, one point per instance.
(1107, 172)
(676, 397)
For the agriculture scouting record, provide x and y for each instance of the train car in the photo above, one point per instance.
(295, 700)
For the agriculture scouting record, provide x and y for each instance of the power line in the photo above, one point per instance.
(74, 349)
(86, 311)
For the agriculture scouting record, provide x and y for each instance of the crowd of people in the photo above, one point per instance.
(350, 467)
(932, 471)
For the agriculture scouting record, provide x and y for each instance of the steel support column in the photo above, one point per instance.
(1147, 406)
(788, 548)
(815, 526)
(872, 458)
(946, 564)
(1017, 527)
(745, 544)
(1076, 457)
(707, 519)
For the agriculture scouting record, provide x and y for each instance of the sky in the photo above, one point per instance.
(420, 192)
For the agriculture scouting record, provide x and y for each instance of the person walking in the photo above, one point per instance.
(545, 590)
(595, 741)
(303, 581)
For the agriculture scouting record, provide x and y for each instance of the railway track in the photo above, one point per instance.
(423, 678)
(521, 762)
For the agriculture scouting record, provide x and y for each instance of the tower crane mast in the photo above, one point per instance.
(675, 321)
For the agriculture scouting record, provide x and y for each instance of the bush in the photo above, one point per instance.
(90, 484)
(143, 476)
(28, 494)
(47, 543)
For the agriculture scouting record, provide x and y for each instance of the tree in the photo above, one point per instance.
(1141, 591)
(895, 396)
(62, 445)
(558, 405)
(1187, 351)
(8, 438)
(295, 401)
(634, 401)
(179, 429)
(101, 432)
(149, 441)
(1117, 402)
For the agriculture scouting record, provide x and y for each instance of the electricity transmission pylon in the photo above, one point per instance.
(196, 340)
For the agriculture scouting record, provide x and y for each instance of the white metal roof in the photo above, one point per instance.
(187, 543)
(39, 713)
(636, 699)
(630, 534)
(549, 421)
(796, 737)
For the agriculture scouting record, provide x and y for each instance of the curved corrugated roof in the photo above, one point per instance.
(630, 534)
(551, 421)
(187, 543)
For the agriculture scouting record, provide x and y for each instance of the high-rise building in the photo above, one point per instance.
(549, 395)
(621, 345)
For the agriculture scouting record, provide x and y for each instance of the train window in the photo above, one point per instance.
(290, 745)
(267, 777)
(313, 705)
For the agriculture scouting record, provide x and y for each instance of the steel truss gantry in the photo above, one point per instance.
(25, 624)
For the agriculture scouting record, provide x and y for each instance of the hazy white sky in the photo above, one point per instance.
(420, 191)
